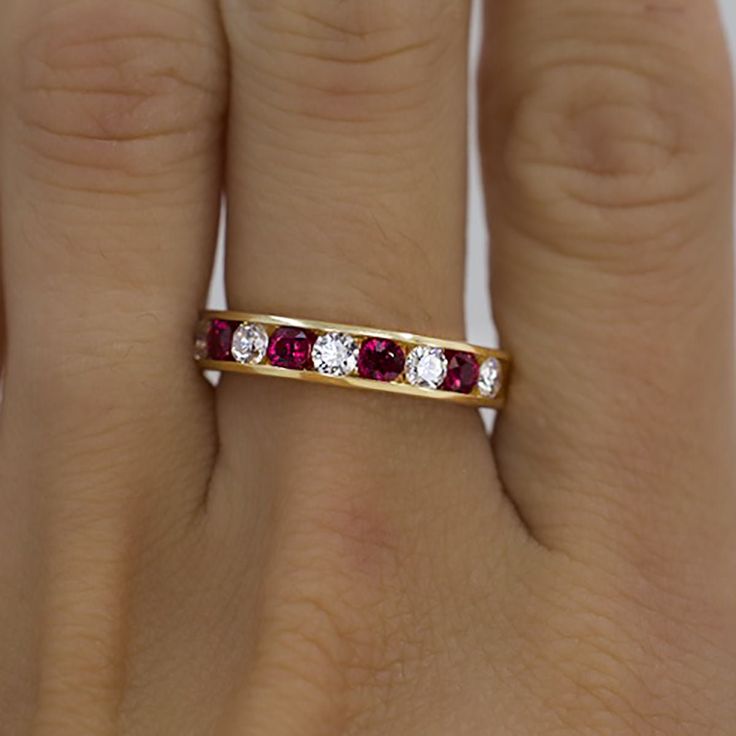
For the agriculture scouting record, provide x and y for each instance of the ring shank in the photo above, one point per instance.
(406, 340)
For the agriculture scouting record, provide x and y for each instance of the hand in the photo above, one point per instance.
(271, 559)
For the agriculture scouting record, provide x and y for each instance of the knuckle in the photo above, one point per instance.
(125, 87)
(621, 141)
(650, 662)
(323, 652)
(337, 623)
(346, 61)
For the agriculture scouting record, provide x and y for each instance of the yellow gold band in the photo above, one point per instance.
(352, 356)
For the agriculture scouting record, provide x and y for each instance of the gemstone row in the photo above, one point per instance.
(339, 354)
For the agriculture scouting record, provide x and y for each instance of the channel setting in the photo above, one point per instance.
(352, 356)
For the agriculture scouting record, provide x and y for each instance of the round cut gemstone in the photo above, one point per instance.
(250, 342)
(219, 339)
(381, 360)
(489, 378)
(290, 347)
(426, 367)
(200, 340)
(462, 372)
(335, 354)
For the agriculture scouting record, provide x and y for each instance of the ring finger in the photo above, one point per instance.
(346, 195)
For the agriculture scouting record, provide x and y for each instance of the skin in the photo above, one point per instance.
(268, 559)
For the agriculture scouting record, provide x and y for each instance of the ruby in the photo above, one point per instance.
(381, 360)
(291, 347)
(462, 372)
(219, 339)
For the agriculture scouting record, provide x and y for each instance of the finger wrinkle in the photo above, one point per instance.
(85, 95)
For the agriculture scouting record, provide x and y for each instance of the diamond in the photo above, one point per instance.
(489, 378)
(462, 372)
(200, 340)
(290, 347)
(426, 367)
(381, 360)
(219, 338)
(249, 343)
(335, 354)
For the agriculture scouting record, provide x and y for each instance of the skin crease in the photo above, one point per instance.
(268, 559)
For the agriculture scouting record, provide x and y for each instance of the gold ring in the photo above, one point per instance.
(353, 357)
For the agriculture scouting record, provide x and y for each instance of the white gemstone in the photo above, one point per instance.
(200, 340)
(489, 378)
(426, 367)
(335, 354)
(250, 342)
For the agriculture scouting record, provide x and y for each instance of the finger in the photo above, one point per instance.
(110, 179)
(346, 179)
(347, 148)
(346, 187)
(2, 326)
(607, 136)
(346, 195)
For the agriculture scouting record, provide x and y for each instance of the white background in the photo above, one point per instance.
(480, 328)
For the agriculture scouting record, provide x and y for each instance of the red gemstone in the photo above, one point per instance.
(462, 372)
(290, 347)
(381, 360)
(219, 339)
